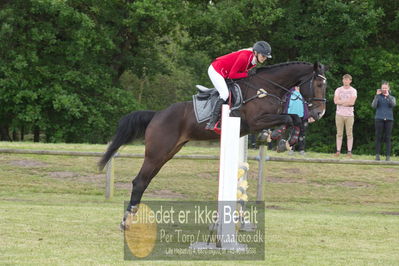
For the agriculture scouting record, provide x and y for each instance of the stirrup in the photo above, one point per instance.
(215, 127)
(210, 126)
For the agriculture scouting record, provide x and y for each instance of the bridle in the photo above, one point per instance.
(307, 100)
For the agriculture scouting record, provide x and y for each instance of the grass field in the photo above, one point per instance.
(53, 211)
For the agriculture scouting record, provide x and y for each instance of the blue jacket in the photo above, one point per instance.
(384, 106)
(294, 97)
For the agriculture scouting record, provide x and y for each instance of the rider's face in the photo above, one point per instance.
(260, 57)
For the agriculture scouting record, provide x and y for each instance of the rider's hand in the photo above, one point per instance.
(379, 91)
(251, 72)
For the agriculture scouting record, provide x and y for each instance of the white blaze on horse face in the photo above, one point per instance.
(321, 115)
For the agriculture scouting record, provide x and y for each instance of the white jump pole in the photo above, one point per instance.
(227, 193)
(228, 170)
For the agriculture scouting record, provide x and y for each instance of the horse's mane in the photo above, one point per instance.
(269, 67)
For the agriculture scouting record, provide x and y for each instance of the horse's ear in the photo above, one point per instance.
(317, 67)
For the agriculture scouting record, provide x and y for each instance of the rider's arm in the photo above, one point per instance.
(240, 63)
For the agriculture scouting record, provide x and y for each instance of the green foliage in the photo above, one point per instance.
(54, 75)
(71, 68)
(224, 26)
(346, 36)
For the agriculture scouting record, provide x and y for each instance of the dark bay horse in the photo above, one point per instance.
(166, 131)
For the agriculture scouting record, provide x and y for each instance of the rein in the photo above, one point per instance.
(263, 93)
(260, 94)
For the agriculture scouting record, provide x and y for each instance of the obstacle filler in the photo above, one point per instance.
(242, 196)
(227, 193)
(242, 186)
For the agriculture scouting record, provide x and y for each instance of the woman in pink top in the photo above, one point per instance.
(234, 66)
(345, 98)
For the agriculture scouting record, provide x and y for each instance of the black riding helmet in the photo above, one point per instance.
(263, 48)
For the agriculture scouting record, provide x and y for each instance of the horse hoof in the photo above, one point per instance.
(124, 224)
(263, 136)
(282, 146)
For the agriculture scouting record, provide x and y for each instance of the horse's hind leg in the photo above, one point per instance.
(149, 169)
(140, 183)
(157, 154)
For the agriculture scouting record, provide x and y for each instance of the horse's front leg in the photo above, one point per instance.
(267, 121)
(280, 122)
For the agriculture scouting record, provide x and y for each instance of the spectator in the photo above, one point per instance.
(383, 103)
(296, 105)
(345, 98)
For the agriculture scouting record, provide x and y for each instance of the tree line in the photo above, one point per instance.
(70, 69)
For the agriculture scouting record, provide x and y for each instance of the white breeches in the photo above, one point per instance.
(219, 82)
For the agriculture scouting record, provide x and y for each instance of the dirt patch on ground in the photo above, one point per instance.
(252, 175)
(290, 180)
(351, 184)
(355, 184)
(390, 179)
(96, 179)
(284, 180)
(62, 175)
(390, 213)
(292, 170)
(164, 193)
(28, 163)
(391, 176)
(391, 170)
(123, 185)
(208, 176)
(99, 180)
(274, 207)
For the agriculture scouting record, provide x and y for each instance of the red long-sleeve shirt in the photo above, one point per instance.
(234, 65)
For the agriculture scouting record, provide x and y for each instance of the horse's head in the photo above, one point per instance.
(313, 89)
(277, 80)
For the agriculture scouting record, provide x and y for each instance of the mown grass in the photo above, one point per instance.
(53, 211)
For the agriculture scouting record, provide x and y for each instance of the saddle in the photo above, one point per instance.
(206, 98)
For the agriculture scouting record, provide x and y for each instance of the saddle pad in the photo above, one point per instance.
(203, 108)
(204, 101)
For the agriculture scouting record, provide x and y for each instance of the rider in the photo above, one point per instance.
(234, 66)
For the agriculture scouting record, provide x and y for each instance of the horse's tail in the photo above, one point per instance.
(131, 126)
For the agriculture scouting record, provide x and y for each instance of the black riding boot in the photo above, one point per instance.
(215, 114)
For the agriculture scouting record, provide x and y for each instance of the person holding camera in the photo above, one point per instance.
(383, 103)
